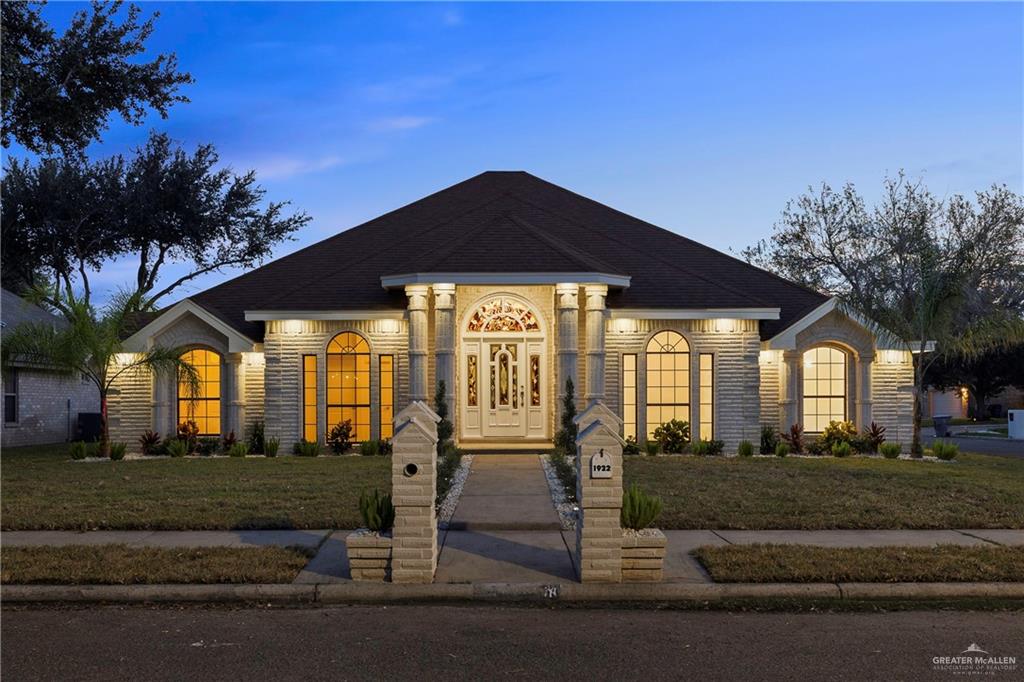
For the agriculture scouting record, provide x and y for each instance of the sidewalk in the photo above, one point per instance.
(510, 557)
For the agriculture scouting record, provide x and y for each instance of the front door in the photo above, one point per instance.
(504, 389)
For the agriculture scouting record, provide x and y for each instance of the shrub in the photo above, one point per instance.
(444, 427)
(77, 450)
(149, 442)
(239, 450)
(207, 446)
(707, 447)
(306, 448)
(270, 446)
(945, 450)
(639, 510)
(447, 464)
(746, 449)
(841, 449)
(781, 449)
(769, 439)
(118, 451)
(891, 450)
(838, 432)
(370, 448)
(377, 511)
(631, 447)
(565, 439)
(257, 440)
(92, 449)
(673, 436)
(817, 447)
(651, 446)
(229, 441)
(566, 473)
(875, 436)
(795, 438)
(340, 437)
(862, 444)
(177, 447)
(161, 449)
(188, 431)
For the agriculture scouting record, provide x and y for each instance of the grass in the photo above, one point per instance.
(809, 564)
(976, 491)
(43, 489)
(123, 565)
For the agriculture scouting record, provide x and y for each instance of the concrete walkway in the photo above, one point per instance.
(505, 492)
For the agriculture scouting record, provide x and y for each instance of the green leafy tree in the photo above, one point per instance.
(983, 375)
(90, 345)
(63, 218)
(444, 427)
(59, 91)
(916, 269)
(565, 439)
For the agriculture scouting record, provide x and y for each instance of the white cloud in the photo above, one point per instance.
(278, 167)
(395, 123)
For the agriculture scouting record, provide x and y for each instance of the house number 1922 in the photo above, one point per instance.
(600, 465)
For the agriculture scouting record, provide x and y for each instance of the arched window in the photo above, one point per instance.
(203, 408)
(824, 387)
(503, 315)
(348, 383)
(668, 379)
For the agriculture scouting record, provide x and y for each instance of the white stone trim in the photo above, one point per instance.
(695, 313)
(274, 315)
(786, 339)
(140, 340)
(389, 281)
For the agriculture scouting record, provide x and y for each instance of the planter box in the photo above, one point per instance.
(643, 555)
(369, 555)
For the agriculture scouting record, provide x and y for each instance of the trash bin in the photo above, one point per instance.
(1015, 424)
(941, 424)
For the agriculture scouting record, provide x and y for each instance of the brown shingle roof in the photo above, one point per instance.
(506, 222)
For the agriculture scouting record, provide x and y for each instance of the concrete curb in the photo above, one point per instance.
(351, 593)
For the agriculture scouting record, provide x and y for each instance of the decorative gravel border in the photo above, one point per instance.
(451, 500)
(566, 510)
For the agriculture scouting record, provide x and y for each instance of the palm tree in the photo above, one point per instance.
(91, 345)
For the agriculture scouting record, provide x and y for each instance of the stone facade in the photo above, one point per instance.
(369, 555)
(47, 407)
(643, 555)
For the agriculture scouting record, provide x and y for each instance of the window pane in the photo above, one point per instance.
(348, 383)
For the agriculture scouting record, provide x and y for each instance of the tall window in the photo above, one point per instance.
(629, 395)
(310, 431)
(348, 383)
(824, 387)
(387, 395)
(707, 396)
(203, 408)
(11, 396)
(668, 379)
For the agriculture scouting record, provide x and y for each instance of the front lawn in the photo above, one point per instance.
(43, 489)
(975, 491)
(123, 565)
(809, 564)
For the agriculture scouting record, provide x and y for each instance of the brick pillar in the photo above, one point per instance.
(444, 343)
(567, 305)
(598, 411)
(236, 401)
(595, 341)
(417, 294)
(413, 488)
(164, 408)
(863, 386)
(789, 385)
(598, 528)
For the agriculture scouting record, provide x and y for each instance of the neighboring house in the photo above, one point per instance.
(39, 405)
(504, 286)
(956, 402)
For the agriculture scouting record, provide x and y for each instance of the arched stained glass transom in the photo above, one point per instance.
(503, 314)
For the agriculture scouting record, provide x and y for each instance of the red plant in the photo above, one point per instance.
(795, 438)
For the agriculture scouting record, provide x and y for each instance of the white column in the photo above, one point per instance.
(444, 342)
(789, 383)
(595, 341)
(863, 387)
(417, 294)
(236, 395)
(163, 393)
(567, 304)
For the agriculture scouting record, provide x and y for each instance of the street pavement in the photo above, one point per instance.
(1001, 447)
(455, 643)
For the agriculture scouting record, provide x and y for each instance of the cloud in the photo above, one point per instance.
(407, 89)
(396, 123)
(279, 167)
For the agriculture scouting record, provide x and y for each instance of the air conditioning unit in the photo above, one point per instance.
(1015, 422)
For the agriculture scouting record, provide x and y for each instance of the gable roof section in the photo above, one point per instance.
(501, 222)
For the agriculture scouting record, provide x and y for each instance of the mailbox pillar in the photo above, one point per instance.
(413, 488)
(599, 492)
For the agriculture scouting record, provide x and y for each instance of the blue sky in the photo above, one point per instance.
(702, 118)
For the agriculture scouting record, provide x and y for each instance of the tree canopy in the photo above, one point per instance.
(64, 217)
(917, 268)
(983, 375)
(58, 91)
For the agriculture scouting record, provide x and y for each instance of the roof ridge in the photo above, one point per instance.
(565, 247)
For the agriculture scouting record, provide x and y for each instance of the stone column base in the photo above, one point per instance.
(369, 555)
(643, 555)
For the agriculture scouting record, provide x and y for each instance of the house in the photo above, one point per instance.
(39, 406)
(504, 286)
